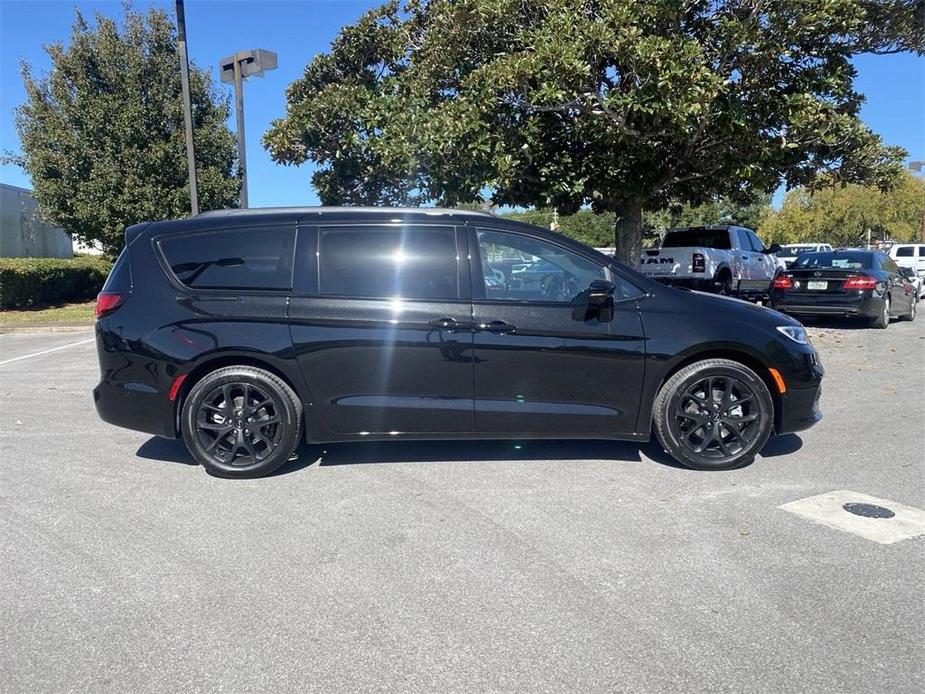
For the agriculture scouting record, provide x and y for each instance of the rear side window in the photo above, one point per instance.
(249, 258)
(905, 251)
(120, 277)
(389, 262)
(708, 238)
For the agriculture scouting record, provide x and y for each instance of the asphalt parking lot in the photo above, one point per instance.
(501, 566)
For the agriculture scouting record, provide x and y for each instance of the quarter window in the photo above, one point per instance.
(406, 262)
(905, 251)
(757, 244)
(247, 258)
(522, 268)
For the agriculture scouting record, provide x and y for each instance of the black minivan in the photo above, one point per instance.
(244, 331)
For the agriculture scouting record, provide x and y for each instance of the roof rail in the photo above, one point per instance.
(319, 209)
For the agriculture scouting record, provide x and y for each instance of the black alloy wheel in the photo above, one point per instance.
(241, 421)
(237, 423)
(715, 414)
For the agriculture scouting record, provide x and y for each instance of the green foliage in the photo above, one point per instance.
(841, 215)
(31, 281)
(102, 134)
(619, 105)
(596, 229)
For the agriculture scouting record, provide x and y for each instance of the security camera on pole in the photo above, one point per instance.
(234, 69)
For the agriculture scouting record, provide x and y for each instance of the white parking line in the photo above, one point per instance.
(47, 351)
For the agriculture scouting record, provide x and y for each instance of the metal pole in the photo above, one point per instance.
(187, 108)
(239, 108)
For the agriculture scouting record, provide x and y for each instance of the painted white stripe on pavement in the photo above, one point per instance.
(47, 351)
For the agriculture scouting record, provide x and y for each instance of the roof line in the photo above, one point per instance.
(320, 209)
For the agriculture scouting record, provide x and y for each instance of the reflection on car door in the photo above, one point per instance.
(381, 330)
(541, 367)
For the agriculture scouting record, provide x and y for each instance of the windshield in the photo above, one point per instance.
(840, 260)
(708, 238)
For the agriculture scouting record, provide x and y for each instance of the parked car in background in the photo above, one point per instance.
(724, 259)
(910, 255)
(914, 279)
(245, 331)
(789, 252)
(866, 284)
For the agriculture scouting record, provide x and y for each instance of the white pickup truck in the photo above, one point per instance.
(729, 260)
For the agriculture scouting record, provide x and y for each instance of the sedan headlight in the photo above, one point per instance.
(797, 333)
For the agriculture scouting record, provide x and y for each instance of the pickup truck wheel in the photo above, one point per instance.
(714, 414)
(724, 284)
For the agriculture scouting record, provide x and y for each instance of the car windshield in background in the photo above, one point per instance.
(708, 238)
(839, 260)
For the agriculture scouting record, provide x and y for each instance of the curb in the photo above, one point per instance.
(45, 327)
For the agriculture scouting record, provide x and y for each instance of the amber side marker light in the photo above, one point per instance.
(779, 380)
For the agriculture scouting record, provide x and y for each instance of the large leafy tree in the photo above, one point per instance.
(842, 215)
(618, 104)
(102, 134)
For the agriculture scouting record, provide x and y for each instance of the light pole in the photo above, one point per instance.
(235, 69)
(187, 108)
(917, 166)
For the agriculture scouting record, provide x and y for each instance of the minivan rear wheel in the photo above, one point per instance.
(714, 414)
(241, 421)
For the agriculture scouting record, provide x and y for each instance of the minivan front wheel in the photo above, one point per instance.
(241, 421)
(714, 414)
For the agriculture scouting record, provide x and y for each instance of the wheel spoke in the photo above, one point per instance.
(216, 441)
(226, 394)
(261, 437)
(215, 426)
(261, 423)
(696, 417)
(249, 447)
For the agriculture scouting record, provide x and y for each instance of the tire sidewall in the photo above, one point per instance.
(762, 395)
(282, 402)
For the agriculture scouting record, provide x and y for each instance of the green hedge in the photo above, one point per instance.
(33, 281)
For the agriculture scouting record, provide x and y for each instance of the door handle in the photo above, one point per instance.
(497, 326)
(445, 323)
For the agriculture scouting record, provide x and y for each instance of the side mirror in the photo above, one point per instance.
(600, 293)
(773, 248)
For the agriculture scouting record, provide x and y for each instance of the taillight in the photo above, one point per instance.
(862, 282)
(782, 282)
(107, 302)
(699, 264)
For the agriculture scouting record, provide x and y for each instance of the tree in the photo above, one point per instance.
(842, 215)
(102, 134)
(617, 104)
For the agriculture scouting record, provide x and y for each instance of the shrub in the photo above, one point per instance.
(31, 281)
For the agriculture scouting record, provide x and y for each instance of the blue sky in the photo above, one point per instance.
(297, 30)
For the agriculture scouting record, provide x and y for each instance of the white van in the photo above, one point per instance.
(909, 255)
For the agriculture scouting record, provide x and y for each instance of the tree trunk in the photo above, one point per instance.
(627, 231)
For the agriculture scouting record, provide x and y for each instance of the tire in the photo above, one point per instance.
(883, 319)
(685, 417)
(252, 440)
(911, 315)
(724, 284)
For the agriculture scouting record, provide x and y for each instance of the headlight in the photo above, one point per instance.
(795, 332)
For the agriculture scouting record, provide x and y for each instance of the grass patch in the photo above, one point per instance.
(80, 312)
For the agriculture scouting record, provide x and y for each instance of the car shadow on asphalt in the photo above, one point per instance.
(460, 451)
